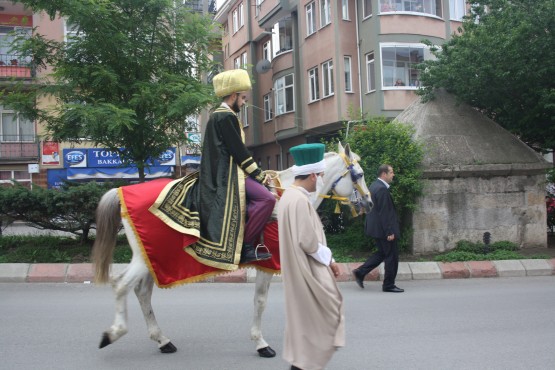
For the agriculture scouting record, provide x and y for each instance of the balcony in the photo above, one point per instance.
(15, 148)
(15, 66)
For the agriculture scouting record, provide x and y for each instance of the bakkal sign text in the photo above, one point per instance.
(102, 158)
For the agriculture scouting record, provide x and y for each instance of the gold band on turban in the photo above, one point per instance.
(229, 82)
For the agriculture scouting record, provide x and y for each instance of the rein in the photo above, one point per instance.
(354, 178)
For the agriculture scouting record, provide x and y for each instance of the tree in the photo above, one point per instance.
(128, 79)
(502, 64)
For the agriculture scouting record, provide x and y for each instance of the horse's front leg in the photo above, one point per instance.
(260, 298)
(143, 291)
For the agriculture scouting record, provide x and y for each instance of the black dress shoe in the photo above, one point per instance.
(293, 367)
(249, 254)
(393, 289)
(359, 279)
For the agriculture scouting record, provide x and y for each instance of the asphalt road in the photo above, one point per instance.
(502, 323)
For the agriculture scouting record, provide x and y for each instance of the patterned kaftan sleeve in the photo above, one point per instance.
(231, 136)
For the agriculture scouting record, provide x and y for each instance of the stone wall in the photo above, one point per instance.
(509, 207)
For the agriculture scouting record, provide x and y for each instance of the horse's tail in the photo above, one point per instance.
(108, 219)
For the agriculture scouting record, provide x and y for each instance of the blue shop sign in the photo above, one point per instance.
(104, 158)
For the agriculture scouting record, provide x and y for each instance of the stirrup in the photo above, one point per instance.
(261, 246)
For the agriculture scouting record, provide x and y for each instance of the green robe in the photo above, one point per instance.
(211, 203)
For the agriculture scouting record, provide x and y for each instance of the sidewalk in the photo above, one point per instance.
(82, 272)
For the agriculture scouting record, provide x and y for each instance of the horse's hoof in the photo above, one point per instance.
(105, 341)
(168, 348)
(266, 352)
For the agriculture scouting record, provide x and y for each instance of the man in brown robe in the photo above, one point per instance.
(314, 326)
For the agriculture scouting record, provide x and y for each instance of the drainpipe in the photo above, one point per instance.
(359, 60)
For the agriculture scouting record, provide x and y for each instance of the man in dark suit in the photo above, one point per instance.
(382, 224)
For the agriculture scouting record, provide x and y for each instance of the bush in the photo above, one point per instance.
(378, 141)
(70, 209)
(466, 250)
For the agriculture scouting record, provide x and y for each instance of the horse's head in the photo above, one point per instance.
(345, 179)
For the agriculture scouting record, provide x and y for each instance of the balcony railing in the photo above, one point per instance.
(16, 66)
(14, 147)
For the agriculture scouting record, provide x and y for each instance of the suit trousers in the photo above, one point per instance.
(260, 204)
(388, 252)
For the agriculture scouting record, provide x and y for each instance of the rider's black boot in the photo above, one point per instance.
(249, 254)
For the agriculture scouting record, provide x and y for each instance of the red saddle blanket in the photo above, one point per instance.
(163, 247)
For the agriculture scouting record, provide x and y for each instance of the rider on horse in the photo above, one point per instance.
(211, 204)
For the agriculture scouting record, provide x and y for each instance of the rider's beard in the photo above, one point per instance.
(235, 106)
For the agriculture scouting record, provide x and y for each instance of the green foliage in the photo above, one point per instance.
(71, 209)
(54, 249)
(502, 64)
(378, 141)
(128, 79)
(466, 250)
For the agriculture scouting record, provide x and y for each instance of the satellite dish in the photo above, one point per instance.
(263, 66)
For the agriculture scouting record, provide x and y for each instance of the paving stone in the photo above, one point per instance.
(537, 267)
(47, 273)
(80, 273)
(373, 275)
(403, 272)
(425, 270)
(13, 272)
(481, 269)
(552, 263)
(509, 268)
(454, 270)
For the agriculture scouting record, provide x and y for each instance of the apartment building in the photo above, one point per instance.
(316, 63)
(27, 156)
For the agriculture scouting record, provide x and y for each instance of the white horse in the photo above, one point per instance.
(343, 177)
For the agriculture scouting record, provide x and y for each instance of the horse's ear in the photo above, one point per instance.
(348, 150)
(340, 147)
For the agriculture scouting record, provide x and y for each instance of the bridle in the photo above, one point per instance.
(355, 177)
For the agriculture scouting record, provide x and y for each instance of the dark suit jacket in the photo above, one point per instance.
(382, 219)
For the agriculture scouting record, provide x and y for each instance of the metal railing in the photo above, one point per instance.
(12, 65)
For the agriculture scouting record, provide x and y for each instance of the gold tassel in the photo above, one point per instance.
(353, 211)
(337, 208)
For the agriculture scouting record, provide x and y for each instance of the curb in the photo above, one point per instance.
(83, 273)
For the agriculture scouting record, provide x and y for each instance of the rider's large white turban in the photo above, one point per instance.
(229, 82)
(309, 158)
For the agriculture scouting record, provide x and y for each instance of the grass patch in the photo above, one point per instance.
(54, 249)
(466, 250)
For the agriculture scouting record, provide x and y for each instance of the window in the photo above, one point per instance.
(267, 51)
(367, 9)
(457, 9)
(237, 63)
(313, 84)
(241, 17)
(278, 162)
(370, 73)
(268, 162)
(235, 21)
(399, 65)
(432, 7)
(345, 9)
(244, 60)
(8, 35)
(310, 19)
(325, 16)
(22, 177)
(347, 71)
(71, 31)
(282, 36)
(284, 97)
(15, 127)
(243, 116)
(267, 108)
(327, 77)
